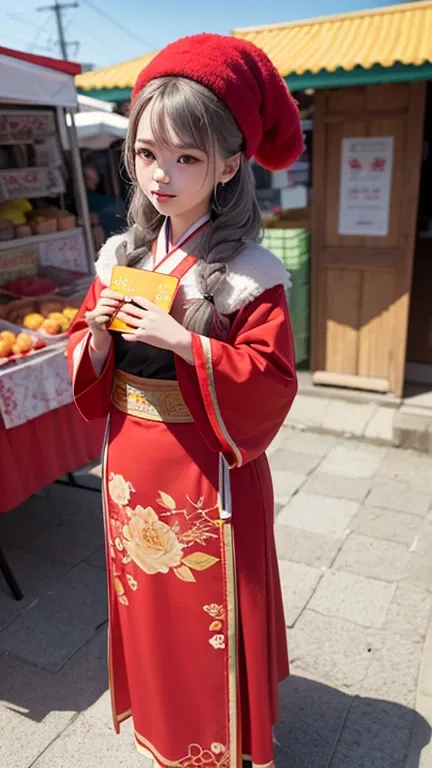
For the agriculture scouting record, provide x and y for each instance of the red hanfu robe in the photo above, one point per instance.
(197, 641)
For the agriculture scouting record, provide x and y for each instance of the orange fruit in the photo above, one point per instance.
(33, 321)
(7, 336)
(24, 340)
(51, 326)
(70, 312)
(5, 347)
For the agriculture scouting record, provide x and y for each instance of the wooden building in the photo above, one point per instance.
(368, 76)
(371, 259)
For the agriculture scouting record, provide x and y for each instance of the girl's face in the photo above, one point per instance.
(179, 180)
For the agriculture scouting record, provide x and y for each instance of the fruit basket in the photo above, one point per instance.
(49, 315)
(17, 343)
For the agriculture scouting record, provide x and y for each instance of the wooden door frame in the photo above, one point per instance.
(403, 275)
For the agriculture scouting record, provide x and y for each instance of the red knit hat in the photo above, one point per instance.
(245, 80)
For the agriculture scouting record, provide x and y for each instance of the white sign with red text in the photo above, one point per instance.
(365, 186)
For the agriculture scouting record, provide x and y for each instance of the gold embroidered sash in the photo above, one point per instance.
(151, 399)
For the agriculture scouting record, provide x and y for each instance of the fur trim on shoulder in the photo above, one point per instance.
(250, 273)
(112, 253)
(253, 271)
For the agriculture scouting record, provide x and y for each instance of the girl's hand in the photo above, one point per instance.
(99, 317)
(156, 327)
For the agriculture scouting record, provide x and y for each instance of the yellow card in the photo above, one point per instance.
(160, 289)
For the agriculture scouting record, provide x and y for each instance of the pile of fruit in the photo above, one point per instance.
(12, 344)
(54, 324)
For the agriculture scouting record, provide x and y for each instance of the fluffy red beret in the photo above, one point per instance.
(245, 80)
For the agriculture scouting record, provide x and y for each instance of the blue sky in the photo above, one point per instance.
(147, 24)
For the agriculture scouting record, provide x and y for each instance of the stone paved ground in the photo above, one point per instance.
(354, 538)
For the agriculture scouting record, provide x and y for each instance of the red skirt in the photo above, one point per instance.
(197, 639)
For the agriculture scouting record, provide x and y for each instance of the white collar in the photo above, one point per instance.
(163, 237)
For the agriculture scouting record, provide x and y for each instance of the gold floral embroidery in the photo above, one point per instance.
(119, 489)
(218, 642)
(215, 757)
(132, 582)
(217, 612)
(141, 536)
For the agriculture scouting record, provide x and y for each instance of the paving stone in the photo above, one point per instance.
(380, 427)
(353, 460)
(394, 670)
(298, 585)
(48, 633)
(27, 737)
(398, 495)
(276, 443)
(307, 411)
(373, 558)
(353, 598)
(310, 718)
(337, 486)
(333, 650)
(300, 463)
(319, 514)
(31, 519)
(307, 442)
(97, 558)
(348, 418)
(386, 524)
(376, 734)
(34, 573)
(9, 607)
(419, 569)
(285, 484)
(88, 743)
(410, 467)
(409, 611)
(301, 546)
(77, 686)
(68, 541)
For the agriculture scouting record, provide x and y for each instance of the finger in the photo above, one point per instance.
(107, 293)
(144, 303)
(130, 337)
(101, 320)
(135, 322)
(136, 311)
(109, 303)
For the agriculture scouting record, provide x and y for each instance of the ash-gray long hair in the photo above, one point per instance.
(197, 116)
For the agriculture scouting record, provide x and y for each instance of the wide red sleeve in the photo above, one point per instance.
(91, 393)
(240, 391)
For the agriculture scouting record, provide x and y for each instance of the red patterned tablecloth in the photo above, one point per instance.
(40, 451)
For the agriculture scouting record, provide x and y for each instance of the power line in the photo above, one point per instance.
(117, 24)
(58, 9)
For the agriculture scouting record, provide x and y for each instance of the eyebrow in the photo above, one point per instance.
(181, 147)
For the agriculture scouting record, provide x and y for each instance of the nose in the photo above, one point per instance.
(160, 177)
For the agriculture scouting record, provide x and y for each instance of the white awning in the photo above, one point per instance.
(97, 130)
(23, 82)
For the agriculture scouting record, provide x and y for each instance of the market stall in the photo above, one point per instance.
(46, 265)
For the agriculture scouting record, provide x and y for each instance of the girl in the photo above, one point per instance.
(197, 640)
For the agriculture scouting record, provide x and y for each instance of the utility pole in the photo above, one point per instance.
(58, 8)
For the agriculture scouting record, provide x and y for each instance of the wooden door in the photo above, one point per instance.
(361, 285)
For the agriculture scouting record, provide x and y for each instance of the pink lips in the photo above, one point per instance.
(161, 196)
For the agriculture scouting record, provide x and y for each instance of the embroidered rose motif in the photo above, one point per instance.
(151, 544)
(218, 642)
(215, 611)
(118, 586)
(217, 748)
(119, 490)
(132, 582)
(119, 544)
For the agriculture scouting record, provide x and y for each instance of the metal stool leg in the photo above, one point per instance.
(10, 578)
